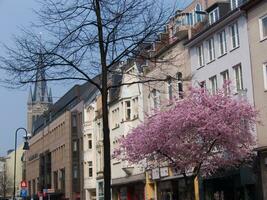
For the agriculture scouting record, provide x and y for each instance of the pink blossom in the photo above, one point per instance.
(202, 133)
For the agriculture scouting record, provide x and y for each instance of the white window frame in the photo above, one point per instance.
(235, 35)
(262, 37)
(211, 49)
(213, 84)
(170, 89)
(213, 17)
(156, 98)
(222, 43)
(265, 76)
(225, 77)
(234, 4)
(200, 54)
(238, 78)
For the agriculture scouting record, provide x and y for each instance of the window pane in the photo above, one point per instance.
(264, 27)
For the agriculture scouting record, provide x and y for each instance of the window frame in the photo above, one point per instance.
(90, 169)
(234, 37)
(262, 37)
(212, 80)
(222, 43)
(200, 54)
(239, 81)
(211, 49)
(213, 17)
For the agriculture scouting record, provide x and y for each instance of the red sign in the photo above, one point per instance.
(23, 184)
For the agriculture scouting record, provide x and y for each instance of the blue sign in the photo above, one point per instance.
(23, 192)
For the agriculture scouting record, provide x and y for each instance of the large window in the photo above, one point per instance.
(263, 27)
(238, 77)
(135, 108)
(222, 42)
(211, 50)
(214, 15)
(200, 55)
(179, 77)
(213, 84)
(265, 76)
(234, 35)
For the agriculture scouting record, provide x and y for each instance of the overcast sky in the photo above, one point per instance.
(13, 110)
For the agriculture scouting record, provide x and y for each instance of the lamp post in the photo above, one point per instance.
(25, 147)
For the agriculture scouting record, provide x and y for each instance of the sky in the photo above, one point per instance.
(13, 103)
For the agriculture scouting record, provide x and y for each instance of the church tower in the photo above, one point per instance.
(39, 99)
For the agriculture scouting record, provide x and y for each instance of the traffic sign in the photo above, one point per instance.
(23, 184)
(23, 192)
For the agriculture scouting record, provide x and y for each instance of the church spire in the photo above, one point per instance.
(40, 93)
(30, 96)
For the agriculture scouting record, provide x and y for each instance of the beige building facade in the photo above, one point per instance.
(257, 31)
(9, 171)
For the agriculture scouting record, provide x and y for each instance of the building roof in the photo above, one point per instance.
(70, 99)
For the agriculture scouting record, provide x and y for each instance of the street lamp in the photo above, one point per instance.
(25, 147)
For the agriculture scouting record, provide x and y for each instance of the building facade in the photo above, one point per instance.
(54, 160)
(257, 33)
(220, 54)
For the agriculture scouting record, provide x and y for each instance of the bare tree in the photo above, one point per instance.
(86, 38)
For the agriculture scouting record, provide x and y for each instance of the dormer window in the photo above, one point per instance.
(214, 15)
(235, 4)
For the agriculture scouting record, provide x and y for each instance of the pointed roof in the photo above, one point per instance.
(40, 93)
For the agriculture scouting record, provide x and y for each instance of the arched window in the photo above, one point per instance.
(198, 17)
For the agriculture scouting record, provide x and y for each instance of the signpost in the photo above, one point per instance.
(24, 190)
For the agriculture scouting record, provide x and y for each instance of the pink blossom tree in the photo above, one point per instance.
(198, 135)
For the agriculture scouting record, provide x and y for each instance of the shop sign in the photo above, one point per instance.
(164, 171)
(155, 174)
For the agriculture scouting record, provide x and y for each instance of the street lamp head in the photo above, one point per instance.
(26, 146)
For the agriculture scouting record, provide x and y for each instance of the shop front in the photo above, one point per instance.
(131, 189)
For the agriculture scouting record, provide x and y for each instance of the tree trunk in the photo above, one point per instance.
(107, 168)
(104, 93)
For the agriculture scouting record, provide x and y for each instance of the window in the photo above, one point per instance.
(179, 77)
(236, 3)
(198, 17)
(211, 49)
(101, 190)
(90, 169)
(263, 27)
(90, 144)
(213, 84)
(222, 42)
(225, 76)
(170, 89)
(265, 75)
(75, 146)
(115, 117)
(238, 78)
(74, 120)
(189, 19)
(135, 107)
(75, 171)
(200, 55)
(127, 110)
(234, 35)
(214, 16)
(225, 79)
(156, 98)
